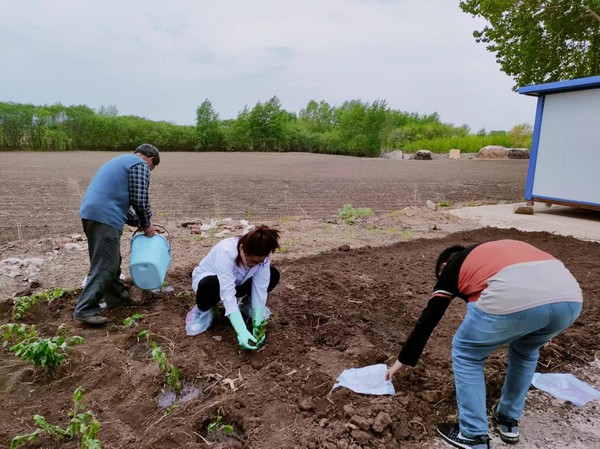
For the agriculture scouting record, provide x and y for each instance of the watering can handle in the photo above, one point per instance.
(156, 226)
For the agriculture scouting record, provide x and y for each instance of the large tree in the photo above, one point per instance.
(540, 41)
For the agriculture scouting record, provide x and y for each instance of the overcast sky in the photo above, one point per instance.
(162, 59)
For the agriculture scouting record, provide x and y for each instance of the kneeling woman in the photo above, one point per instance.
(235, 269)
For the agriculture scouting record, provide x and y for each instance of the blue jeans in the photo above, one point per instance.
(479, 334)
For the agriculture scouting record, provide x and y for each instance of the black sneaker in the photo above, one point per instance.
(451, 434)
(508, 428)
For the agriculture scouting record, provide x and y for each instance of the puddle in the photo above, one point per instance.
(168, 397)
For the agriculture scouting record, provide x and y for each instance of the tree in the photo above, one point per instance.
(540, 41)
(208, 133)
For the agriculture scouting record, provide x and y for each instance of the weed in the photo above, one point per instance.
(171, 372)
(283, 249)
(349, 214)
(216, 426)
(46, 353)
(133, 320)
(444, 204)
(185, 295)
(406, 233)
(83, 425)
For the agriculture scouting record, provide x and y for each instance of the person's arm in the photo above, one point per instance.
(260, 284)
(413, 347)
(139, 182)
(224, 264)
(430, 317)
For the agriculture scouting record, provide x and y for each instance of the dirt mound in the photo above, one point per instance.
(331, 311)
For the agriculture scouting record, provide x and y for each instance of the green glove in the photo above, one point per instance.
(242, 332)
(258, 325)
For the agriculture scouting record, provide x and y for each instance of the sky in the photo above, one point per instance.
(161, 60)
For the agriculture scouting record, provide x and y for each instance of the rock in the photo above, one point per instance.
(342, 444)
(493, 152)
(306, 404)
(222, 234)
(361, 422)
(454, 154)
(518, 153)
(423, 155)
(431, 205)
(396, 154)
(323, 422)
(381, 421)
(431, 396)
(361, 436)
(349, 410)
(524, 209)
(344, 248)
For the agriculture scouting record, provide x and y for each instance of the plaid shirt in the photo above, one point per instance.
(139, 181)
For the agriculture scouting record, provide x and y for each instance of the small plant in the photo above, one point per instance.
(444, 204)
(46, 353)
(133, 320)
(83, 425)
(216, 426)
(23, 303)
(349, 214)
(171, 372)
(143, 335)
(260, 331)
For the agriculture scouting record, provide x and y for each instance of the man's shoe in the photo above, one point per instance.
(94, 320)
(451, 434)
(508, 428)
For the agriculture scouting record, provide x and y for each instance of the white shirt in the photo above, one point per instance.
(220, 261)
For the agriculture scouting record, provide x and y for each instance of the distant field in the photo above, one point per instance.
(41, 191)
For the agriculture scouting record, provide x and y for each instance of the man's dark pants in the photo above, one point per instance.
(103, 281)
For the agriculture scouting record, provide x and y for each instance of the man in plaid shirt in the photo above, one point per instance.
(117, 195)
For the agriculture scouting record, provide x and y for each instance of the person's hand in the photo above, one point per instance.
(150, 231)
(397, 367)
(243, 335)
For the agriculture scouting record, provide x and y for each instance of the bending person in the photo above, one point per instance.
(236, 270)
(517, 295)
(117, 195)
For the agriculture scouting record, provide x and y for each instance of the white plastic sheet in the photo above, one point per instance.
(566, 387)
(367, 380)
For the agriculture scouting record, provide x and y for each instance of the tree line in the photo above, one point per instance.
(354, 128)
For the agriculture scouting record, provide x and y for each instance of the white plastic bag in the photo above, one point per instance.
(197, 321)
(368, 380)
(566, 387)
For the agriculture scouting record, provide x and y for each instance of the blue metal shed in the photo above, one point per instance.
(564, 165)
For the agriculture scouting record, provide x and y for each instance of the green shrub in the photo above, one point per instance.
(48, 353)
(349, 214)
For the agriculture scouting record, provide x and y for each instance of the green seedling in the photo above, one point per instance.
(23, 303)
(170, 371)
(260, 331)
(216, 426)
(133, 320)
(48, 353)
(83, 425)
(143, 335)
(444, 204)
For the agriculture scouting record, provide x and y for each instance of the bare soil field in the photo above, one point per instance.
(349, 295)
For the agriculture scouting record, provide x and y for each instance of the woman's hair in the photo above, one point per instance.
(259, 241)
(445, 257)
